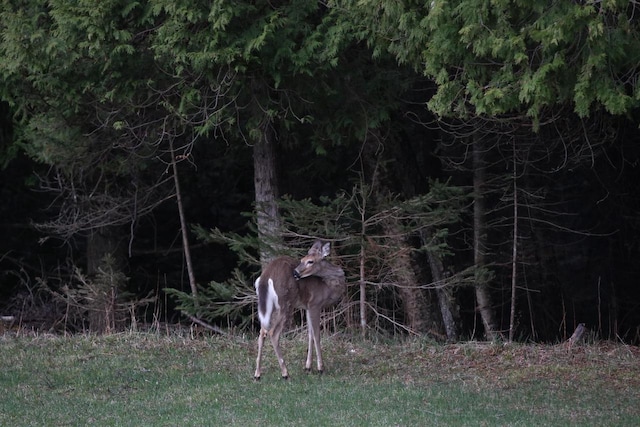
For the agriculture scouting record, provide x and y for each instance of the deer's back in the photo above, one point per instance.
(280, 270)
(294, 293)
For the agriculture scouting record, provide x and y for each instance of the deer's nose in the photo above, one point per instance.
(296, 274)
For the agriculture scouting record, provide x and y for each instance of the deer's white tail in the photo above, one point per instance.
(267, 301)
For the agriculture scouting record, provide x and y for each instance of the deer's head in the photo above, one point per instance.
(311, 264)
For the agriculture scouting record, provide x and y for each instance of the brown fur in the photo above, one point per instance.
(321, 284)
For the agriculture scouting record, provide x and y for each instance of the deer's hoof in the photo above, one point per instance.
(256, 378)
(285, 377)
(320, 371)
(307, 370)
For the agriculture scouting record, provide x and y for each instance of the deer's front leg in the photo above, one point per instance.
(307, 365)
(313, 324)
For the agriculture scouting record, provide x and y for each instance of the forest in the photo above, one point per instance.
(472, 163)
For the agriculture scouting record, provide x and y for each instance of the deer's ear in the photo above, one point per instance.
(316, 249)
(326, 249)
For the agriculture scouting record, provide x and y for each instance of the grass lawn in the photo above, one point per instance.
(134, 379)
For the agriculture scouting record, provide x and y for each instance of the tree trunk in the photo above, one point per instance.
(266, 192)
(480, 239)
(183, 229)
(418, 304)
(363, 291)
(418, 307)
(183, 223)
(414, 301)
(444, 298)
(514, 258)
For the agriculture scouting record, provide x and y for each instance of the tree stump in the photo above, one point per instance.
(577, 335)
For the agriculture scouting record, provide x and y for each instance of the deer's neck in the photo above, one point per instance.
(331, 273)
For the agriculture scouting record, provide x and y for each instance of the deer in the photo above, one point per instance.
(285, 284)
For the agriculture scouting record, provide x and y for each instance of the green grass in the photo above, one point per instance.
(145, 379)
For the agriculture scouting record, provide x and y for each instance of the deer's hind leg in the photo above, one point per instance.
(256, 375)
(274, 334)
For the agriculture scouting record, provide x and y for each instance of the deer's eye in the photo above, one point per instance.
(310, 262)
